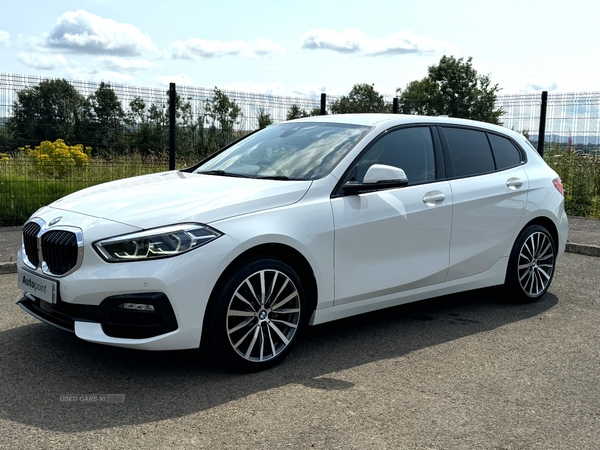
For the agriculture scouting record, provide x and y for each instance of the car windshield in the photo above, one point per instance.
(288, 151)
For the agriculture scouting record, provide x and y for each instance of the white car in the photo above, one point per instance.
(297, 224)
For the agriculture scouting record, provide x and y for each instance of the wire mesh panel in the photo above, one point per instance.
(571, 118)
(50, 147)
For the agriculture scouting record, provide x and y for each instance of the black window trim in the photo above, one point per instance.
(448, 157)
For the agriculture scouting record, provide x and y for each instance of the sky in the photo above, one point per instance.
(302, 48)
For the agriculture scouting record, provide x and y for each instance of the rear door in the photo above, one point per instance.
(489, 190)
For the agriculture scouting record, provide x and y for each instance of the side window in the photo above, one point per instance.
(505, 152)
(410, 149)
(470, 151)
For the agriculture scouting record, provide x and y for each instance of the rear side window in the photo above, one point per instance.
(470, 151)
(505, 152)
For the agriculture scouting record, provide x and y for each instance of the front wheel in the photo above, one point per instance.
(256, 316)
(531, 264)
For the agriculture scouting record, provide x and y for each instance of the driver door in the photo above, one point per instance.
(397, 239)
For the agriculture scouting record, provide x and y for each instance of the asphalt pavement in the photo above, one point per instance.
(467, 371)
(584, 239)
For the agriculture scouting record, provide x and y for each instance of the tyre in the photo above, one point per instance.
(256, 315)
(531, 265)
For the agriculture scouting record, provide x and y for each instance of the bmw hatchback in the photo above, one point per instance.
(297, 224)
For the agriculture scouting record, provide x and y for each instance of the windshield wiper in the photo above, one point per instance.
(223, 173)
(273, 177)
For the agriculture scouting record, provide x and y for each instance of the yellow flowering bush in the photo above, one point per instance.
(4, 158)
(57, 159)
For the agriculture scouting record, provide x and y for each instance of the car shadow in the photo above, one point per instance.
(49, 377)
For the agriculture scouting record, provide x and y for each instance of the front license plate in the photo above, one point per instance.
(37, 286)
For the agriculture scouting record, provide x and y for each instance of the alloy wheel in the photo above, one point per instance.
(263, 315)
(536, 264)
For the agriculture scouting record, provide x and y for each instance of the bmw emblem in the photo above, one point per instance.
(55, 221)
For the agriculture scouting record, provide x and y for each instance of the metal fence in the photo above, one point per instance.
(572, 119)
(250, 103)
(28, 181)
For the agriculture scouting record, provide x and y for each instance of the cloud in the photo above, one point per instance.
(42, 62)
(353, 41)
(540, 84)
(195, 48)
(4, 39)
(104, 75)
(259, 88)
(83, 32)
(314, 91)
(93, 71)
(350, 40)
(181, 79)
(125, 65)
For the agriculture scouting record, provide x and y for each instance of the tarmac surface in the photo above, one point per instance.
(584, 239)
(465, 371)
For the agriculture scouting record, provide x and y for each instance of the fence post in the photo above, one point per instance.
(542, 131)
(172, 100)
(395, 105)
(323, 104)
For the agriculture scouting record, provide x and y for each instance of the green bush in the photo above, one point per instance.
(580, 175)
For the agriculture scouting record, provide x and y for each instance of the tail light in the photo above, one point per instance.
(559, 186)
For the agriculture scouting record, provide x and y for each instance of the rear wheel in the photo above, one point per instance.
(255, 319)
(531, 265)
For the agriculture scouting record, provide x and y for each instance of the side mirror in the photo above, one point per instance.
(378, 177)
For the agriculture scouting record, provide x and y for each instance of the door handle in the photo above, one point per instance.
(433, 197)
(514, 183)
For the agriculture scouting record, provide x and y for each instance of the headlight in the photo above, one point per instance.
(156, 243)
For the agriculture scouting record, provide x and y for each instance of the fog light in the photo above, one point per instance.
(137, 306)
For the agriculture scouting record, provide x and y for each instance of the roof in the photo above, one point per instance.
(373, 119)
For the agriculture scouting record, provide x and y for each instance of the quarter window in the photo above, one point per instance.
(505, 152)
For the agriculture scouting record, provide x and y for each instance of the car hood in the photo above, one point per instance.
(174, 197)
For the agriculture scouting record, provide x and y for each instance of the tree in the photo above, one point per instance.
(363, 98)
(107, 120)
(295, 112)
(158, 121)
(222, 114)
(316, 112)
(186, 131)
(139, 131)
(136, 114)
(148, 127)
(7, 140)
(263, 118)
(452, 88)
(49, 111)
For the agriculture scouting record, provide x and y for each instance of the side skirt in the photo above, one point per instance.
(494, 276)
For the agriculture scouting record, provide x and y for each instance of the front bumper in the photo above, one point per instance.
(114, 320)
(87, 300)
